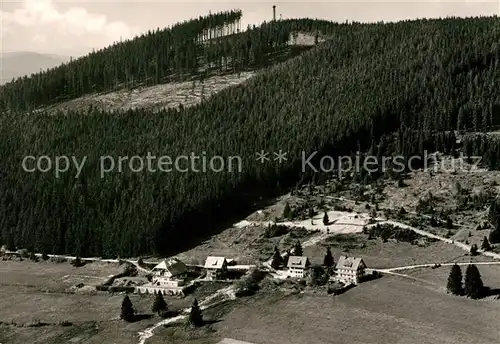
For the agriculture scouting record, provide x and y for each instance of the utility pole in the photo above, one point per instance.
(274, 12)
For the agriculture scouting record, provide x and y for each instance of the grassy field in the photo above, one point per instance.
(95, 319)
(53, 277)
(379, 254)
(35, 293)
(489, 274)
(388, 310)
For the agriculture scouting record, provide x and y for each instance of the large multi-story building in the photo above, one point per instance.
(297, 266)
(350, 269)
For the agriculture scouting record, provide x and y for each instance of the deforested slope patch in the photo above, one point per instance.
(211, 45)
(340, 96)
(155, 98)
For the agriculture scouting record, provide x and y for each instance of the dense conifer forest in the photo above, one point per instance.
(397, 88)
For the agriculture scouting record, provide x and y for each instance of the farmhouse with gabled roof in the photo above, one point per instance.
(297, 266)
(350, 269)
(173, 268)
(215, 267)
(169, 277)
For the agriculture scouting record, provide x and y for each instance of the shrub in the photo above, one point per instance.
(58, 260)
(77, 262)
(473, 250)
(275, 230)
(249, 285)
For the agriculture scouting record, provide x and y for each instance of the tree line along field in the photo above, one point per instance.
(393, 89)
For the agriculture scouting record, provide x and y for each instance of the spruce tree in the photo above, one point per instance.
(454, 285)
(287, 211)
(326, 220)
(473, 286)
(195, 316)
(276, 260)
(127, 312)
(495, 236)
(486, 245)
(159, 304)
(297, 249)
(328, 261)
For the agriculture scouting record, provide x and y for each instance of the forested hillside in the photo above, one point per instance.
(197, 48)
(415, 80)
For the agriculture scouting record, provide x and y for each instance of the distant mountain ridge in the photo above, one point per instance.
(19, 63)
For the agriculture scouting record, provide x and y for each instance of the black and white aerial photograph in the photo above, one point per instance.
(249, 172)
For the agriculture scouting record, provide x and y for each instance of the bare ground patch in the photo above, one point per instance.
(157, 97)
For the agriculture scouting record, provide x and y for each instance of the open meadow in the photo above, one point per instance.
(388, 310)
(39, 306)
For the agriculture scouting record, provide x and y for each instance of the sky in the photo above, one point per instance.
(74, 28)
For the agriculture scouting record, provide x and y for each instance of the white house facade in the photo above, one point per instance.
(168, 278)
(215, 267)
(297, 266)
(350, 269)
(169, 273)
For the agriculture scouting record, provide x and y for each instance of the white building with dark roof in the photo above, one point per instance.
(169, 273)
(297, 266)
(216, 267)
(173, 268)
(350, 269)
(169, 278)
